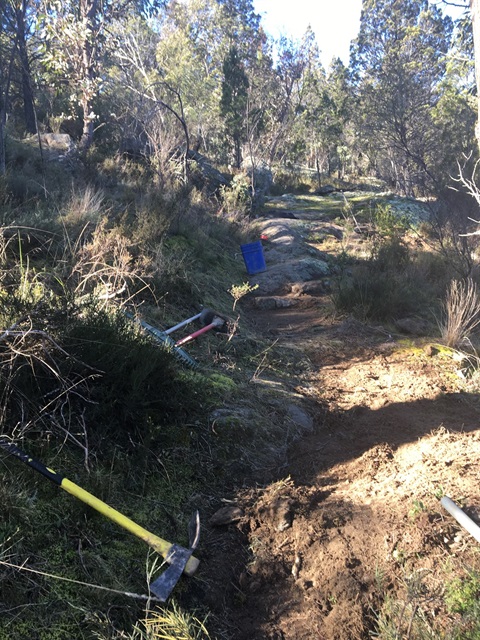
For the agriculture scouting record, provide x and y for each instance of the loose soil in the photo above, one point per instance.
(354, 521)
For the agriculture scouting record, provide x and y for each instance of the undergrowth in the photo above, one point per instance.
(394, 282)
(87, 392)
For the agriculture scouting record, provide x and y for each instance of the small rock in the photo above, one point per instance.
(312, 287)
(226, 515)
(297, 565)
(412, 326)
(325, 190)
(300, 417)
(430, 350)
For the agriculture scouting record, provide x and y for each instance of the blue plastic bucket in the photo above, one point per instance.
(253, 257)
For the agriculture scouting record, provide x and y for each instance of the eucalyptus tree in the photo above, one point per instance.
(297, 73)
(14, 61)
(196, 38)
(475, 19)
(21, 16)
(189, 57)
(399, 61)
(327, 112)
(7, 54)
(76, 40)
(149, 110)
(454, 115)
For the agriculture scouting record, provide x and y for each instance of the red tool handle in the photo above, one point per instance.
(194, 335)
(215, 324)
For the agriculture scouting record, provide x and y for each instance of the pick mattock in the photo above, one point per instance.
(180, 559)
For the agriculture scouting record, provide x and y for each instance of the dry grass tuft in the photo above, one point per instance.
(173, 624)
(461, 312)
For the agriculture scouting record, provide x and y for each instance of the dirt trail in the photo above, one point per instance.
(356, 519)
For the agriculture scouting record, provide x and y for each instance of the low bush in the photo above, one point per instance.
(138, 393)
(393, 282)
(379, 288)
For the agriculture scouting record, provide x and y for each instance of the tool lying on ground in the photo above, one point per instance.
(209, 318)
(217, 322)
(164, 339)
(180, 559)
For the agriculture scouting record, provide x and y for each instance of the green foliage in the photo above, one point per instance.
(462, 596)
(233, 104)
(237, 196)
(292, 181)
(380, 288)
(222, 385)
(398, 60)
(238, 291)
(388, 221)
(138, 394)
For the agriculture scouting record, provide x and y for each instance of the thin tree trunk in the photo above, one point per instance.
(3, 163)
(4, 94)
(88, 12)
(28, 103)
(475, 15)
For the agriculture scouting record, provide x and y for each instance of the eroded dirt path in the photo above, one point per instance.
(356, 518)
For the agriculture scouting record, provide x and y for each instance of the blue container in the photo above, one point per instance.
(253, 257)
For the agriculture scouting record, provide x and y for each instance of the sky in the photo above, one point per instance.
(334, 22)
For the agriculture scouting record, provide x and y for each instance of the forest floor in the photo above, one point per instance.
(351, 541)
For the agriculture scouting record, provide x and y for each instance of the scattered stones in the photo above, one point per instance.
(311, 288)
(267, 302)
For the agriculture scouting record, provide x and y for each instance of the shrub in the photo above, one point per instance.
(375, 295)
(388, 221)
(138, 390)
(462, 596)
(237, 198)
(380, 288)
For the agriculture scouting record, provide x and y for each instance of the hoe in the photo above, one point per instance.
(208, 318)
(180, 559)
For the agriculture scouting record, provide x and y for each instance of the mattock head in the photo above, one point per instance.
(177, 557)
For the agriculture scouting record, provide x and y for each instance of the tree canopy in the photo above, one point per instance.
(173, 74)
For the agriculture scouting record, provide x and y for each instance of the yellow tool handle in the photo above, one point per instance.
(161, 546)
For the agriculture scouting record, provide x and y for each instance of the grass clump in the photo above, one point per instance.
(138, 389)
(171, 624)
(461, 312)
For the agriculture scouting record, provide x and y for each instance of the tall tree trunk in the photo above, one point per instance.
(4, 94)
(28, 102)
(88, 12)
(475, 15)
(3, 163)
